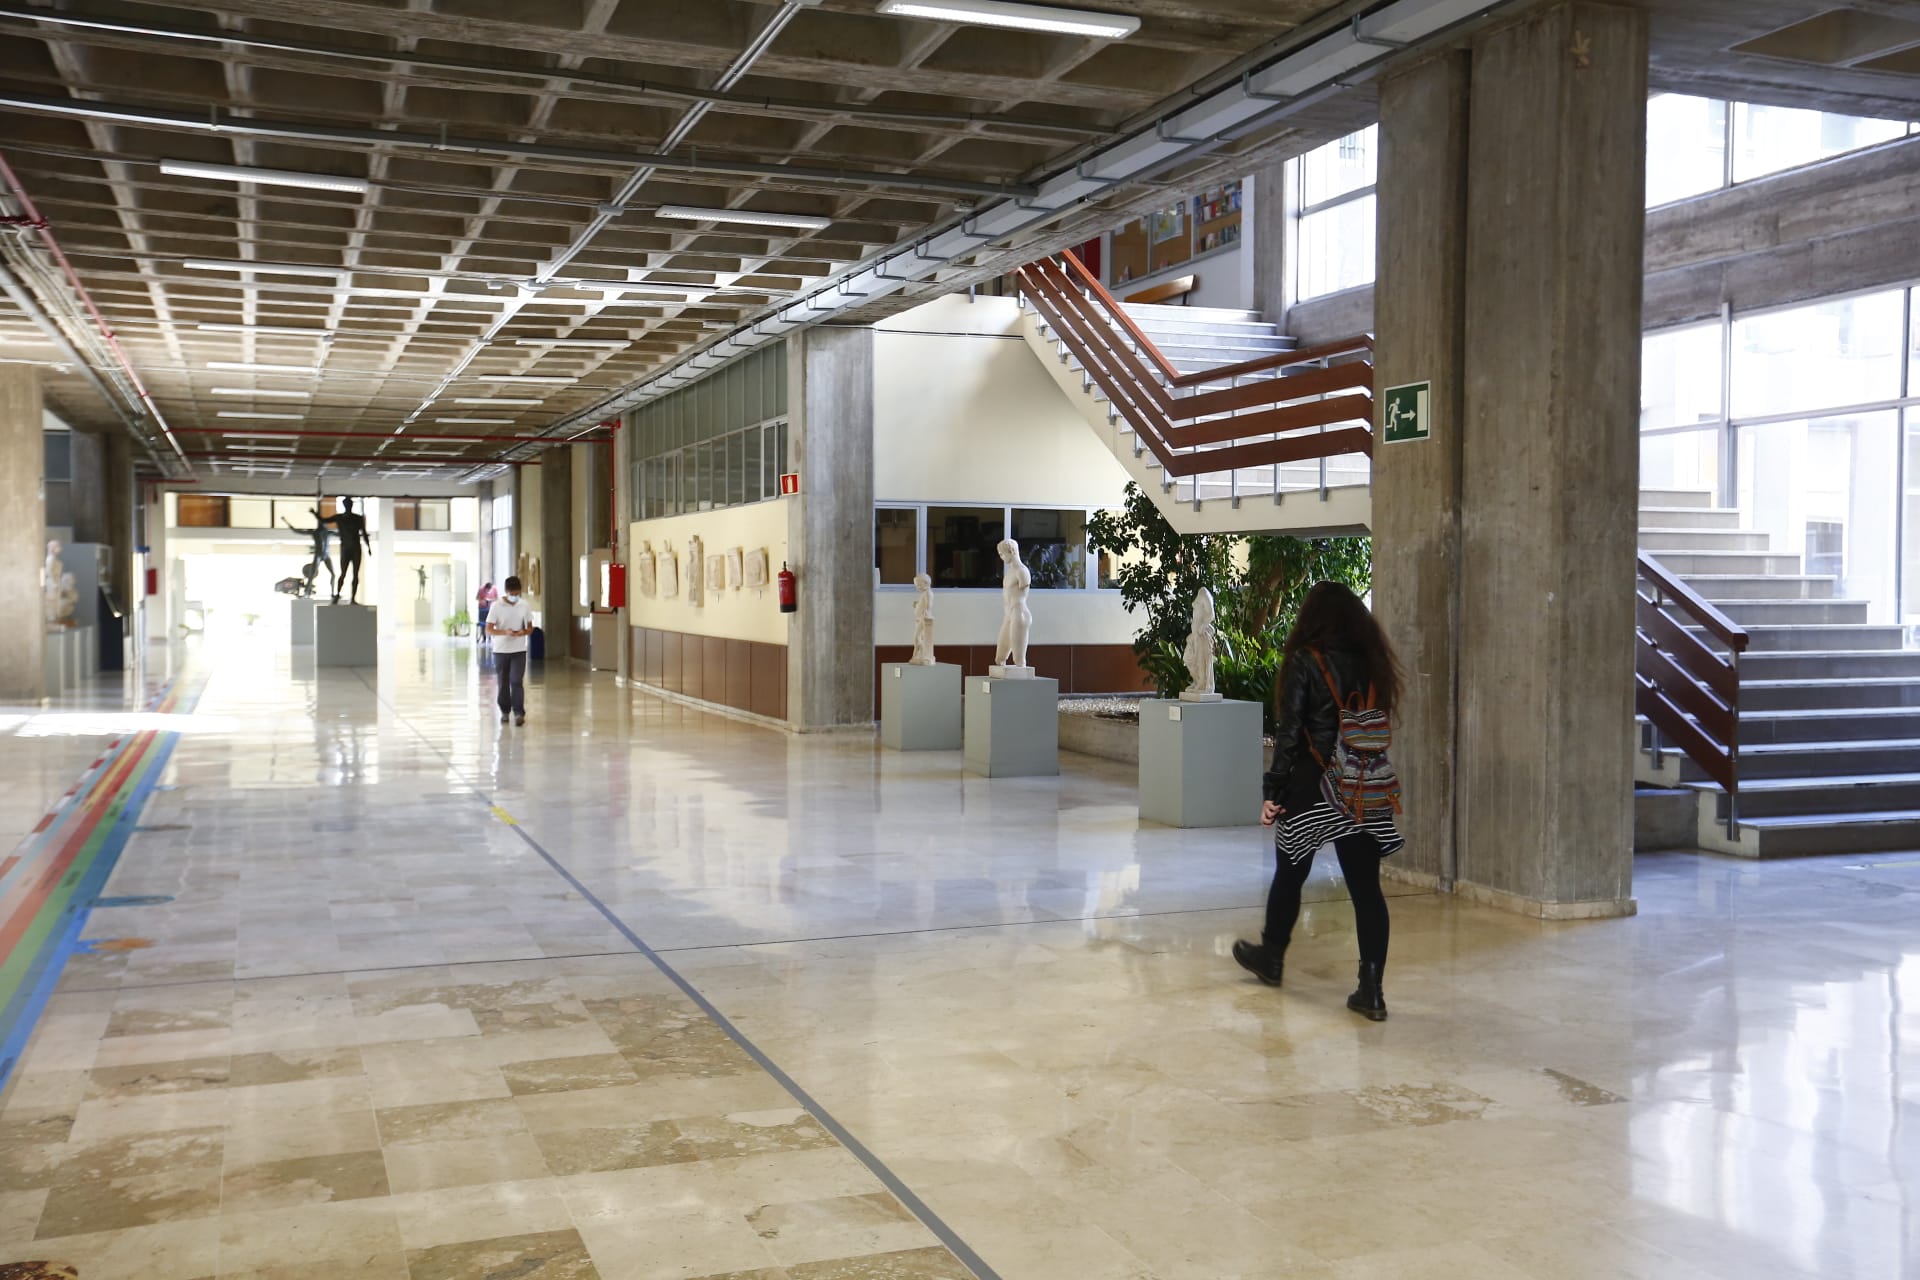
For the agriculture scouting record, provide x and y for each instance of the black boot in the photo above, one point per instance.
(1260, 960)
(1367, 999)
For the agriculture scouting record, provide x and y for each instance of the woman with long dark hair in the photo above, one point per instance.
(1330, 782)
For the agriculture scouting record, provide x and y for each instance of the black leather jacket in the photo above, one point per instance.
(1307, 714)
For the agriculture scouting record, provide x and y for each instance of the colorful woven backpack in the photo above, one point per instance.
(1360, 779)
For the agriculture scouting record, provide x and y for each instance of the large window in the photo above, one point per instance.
(720, 442)
(959, 546)
(1819, 448)
(1334, 215)
(1696, 145)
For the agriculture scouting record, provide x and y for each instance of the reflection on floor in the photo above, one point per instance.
(393, 1023)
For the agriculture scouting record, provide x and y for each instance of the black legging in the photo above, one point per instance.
(1359, 856)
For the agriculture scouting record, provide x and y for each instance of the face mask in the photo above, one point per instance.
(513, 599)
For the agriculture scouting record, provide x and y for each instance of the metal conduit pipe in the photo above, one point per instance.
(718, 96)
(734, 73)
(1293, 79)
(219, 121)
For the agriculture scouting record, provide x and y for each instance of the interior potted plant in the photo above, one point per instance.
(459, 624)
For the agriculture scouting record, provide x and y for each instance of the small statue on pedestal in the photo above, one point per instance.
(421, 570)
(69, 600)
(50, 584)
(923, 621)
(1199, 655)
(320, 534)
(1017, 624)
(352, 528)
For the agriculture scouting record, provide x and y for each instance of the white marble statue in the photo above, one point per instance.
(1011, 648)
(50, 584)
(1199, 655)
(923, 621)
(69, 600)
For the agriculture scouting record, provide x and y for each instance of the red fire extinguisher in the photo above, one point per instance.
(789, 593)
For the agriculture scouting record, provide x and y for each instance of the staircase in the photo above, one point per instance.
(1829, 711)
(1301, 494)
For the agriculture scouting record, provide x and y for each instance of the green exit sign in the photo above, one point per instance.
(1406, 413)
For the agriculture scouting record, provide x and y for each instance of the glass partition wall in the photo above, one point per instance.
(1806, 419)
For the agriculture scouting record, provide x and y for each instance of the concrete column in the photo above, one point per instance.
(120, 495)
(87, 486)
(558, 570)
(23, 535)
(1556, 222)
(830, 528)
(1269, 225)
(1416, 485)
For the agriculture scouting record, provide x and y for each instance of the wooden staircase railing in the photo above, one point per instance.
(1320, 410)
(1686, 688)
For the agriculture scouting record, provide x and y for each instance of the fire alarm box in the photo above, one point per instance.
(613, 585)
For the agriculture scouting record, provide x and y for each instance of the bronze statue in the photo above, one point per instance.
(311, 569)
(352, 528)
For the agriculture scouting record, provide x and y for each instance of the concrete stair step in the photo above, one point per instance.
(1657, 540)
(1772, 586)
(1727, 563)
(1828, 724)
(1817, 759)
(1762, 613)
(1145, 311)
(1676, 498)
(1818, 637)
(1690, 517)
(1830, 694)
(1815, 835)
(1830, 665)
(1810, 797)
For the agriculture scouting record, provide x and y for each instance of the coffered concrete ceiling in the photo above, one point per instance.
(515, 157)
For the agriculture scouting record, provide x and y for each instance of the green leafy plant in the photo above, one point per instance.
(458, 623)
(1258, 582)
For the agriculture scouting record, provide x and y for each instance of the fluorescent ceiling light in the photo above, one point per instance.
(1019, 17)
(752, 217)
(272, 268)
(242, 366)
(262, 417)
(265, 328)
(523, 377)
(249, 391)
(491, 402)
(609, 343)
(476, 422)
(265, 177)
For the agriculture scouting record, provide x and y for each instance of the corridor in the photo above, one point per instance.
(641, 992)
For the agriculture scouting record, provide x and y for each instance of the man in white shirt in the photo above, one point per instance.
(509, 623)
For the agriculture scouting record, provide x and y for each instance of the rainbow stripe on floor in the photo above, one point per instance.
(49, 884)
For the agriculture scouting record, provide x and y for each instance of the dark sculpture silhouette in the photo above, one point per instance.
(319, 533)
(352, 528)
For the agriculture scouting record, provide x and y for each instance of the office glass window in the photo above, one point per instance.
(1336, 248)
(249, 513)
(1054, 546)
(1686, 147)
(1680, 376)
(432, 515)
(202, 511)
(1825, 489)
(896, 545)
(1840, 352)
(962, 546)
(1345, 165)
(1910, 527)
(1685, 460)
(1773, 139)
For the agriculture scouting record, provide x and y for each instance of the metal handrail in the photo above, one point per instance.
(1688, 691)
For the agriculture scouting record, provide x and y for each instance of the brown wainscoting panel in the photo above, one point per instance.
(1052, 662)
(671, 643)
(713, 670)
(692, 679)
(769, 681)
(1107, 668)
(656, 656)
(637, 652)
(583, 639)
(740, 674)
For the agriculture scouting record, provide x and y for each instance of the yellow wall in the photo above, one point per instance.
(736, 615)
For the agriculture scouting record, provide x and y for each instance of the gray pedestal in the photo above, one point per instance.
(920, 707)
(422, 614)
(302, 620)
(346, 635)
(1200, 763)
(1013, 727)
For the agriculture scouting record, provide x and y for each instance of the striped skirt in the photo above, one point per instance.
(1299, 836)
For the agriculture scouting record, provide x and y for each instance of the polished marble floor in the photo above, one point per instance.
(432, 997)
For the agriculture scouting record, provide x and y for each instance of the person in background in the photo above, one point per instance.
(1331, 782)
(483, 600)
(509, 623)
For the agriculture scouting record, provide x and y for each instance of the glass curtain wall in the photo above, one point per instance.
(1697, 145)
(1818, 442)
(1334, 212)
